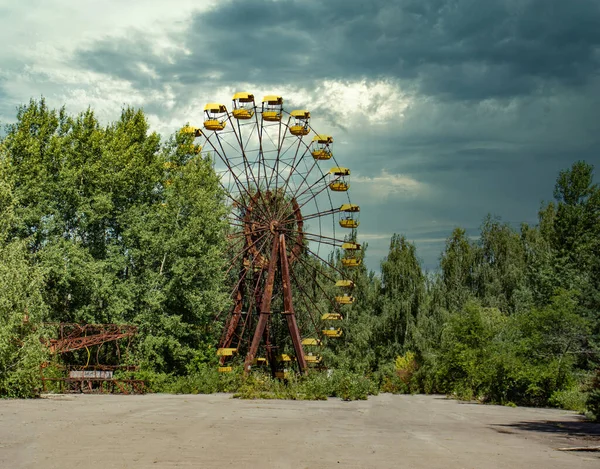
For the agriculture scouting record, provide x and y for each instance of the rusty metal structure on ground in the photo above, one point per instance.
(92, 343)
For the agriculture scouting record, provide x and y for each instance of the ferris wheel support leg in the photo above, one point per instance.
(233, 322)
(288, 306)
(265, 307)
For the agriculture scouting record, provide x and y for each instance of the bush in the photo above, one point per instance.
(204, 380)
(21, 310)
(593, 400)
(352, 386)
(315, 386)
(262, 386)
(569, 399)
(593, 404)
(399, 379)
(388, 380)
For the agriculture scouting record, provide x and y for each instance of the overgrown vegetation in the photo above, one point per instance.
(109, 224)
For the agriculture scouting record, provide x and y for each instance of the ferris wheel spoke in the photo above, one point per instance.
(316, 237)
(247, 167)
(293, 165)
(228, 193)
(251, 305)
(238, 183)
(304, 297)
(234, 240)
(280, 140)
(312, 194)
(233, 217)
(242, 276)
(237, 223)
(303, 177)
(325, 262)
(235, 237)
(321, 214)
(246, 249)
(259, 132)
(250, 134)
(291, 170)
(317, 272)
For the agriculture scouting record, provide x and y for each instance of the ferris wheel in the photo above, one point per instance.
(289, 210)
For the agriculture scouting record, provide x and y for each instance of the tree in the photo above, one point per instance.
(122, 228)
(501, 270)
(403, 292)
(21, 309)
(458, 269)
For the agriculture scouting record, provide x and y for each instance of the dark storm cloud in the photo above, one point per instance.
(503, 93)
(462, 49)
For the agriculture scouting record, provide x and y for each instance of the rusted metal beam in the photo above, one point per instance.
(288, 306)
(236, 315)
(265, 308)
(78, 336)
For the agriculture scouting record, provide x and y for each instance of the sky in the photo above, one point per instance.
(445, 110)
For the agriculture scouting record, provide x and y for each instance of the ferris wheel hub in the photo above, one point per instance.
(274, 226)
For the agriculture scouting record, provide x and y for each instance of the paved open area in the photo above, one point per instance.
(216, 431)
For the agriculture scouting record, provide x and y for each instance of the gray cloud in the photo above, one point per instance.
(462, 49)
(501, 94)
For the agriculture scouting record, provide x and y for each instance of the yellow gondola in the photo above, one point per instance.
(311, 342)
(226, 352)
(345, 283)
(195, 131)
(339, 186)
(340, 172)
(272, 107)
(225, 369)
(349, 223)
(284, 357)
(331, 317)
(351, 262)
(313, 358)
(282, 374)
(321, 147)
(215, 116)
(351, 246)
(260, 361)
(300, 126)
(344, 300)
(243, 105)
(349, 208)
(332, 332)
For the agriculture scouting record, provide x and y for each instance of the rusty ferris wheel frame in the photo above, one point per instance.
(276, 174)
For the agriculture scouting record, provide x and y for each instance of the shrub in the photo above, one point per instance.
(569, 399)
(593, 404)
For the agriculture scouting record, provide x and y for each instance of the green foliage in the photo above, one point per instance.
(593, 399)
(346, 385)
(569, 399)
(117, 228)
(593, 404)
(108, 224)
(21, 307)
